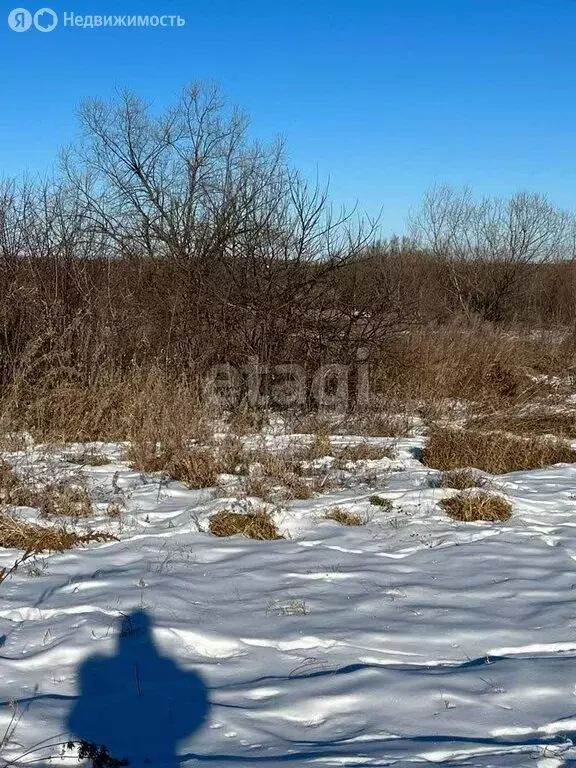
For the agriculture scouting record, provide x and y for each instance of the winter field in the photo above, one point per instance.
(279, 486)
(409, 639)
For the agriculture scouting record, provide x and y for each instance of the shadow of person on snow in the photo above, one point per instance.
(138, 703)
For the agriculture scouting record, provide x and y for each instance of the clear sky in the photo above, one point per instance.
(385, 98)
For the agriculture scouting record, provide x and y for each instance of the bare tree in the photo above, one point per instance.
(254, 243)
(489, 244)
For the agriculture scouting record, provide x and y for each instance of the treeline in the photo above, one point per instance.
(175, 242)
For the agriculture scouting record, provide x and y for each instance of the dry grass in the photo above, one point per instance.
(60, 499)
(141, 404)
(64, 499)
(320, 447)
(30, 537)
(286, 487)
(14, 491)
(87, 459)
(528, 423)
(261, 487)
(245, 420)
(363, 452)
(278, 464)
(114, 510)
(280, 475)
(256, 525)
(309, 422)
(150, 456)
(378, 501)
(197, 467)
(269, 475)
(461, 479)
(387, 425)
(469, 361)
(494, 452)
(481, 506)
(344, 518)
(300, 489)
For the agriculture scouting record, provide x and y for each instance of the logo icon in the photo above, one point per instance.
(45, 20)
(20, 20)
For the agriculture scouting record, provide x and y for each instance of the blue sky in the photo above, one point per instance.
(385, 98)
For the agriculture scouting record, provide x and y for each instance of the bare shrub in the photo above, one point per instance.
(171, 243)
(256, 525)
(490, 244)
(477, 507)
(494, 452)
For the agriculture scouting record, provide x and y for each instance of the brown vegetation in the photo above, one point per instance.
(32, 537)
(256, 525)
(87, 458)
(147, 261)
(57, 499)
(343, 517)
(461, 479)
(494, 452)
(477, 507)
(363, 452)
(529, 422)
(378, 501)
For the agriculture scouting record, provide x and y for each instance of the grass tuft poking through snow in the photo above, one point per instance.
(253, 525)
(198, 468)
(363, 452)
(87, 459)
(31, 537)
(477, 507)
(461, 479)
(378, 501)
(344, 518)
(494, 452)
(13, 490)
(320, 447)
(59, 499)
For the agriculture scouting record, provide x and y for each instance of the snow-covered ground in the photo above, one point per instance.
(411, 640)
